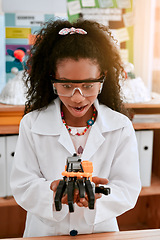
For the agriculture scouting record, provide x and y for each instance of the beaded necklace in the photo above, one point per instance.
(90, 122)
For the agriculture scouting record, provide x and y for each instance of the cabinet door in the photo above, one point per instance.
(11, 142)
(145, 146)
(2, 167)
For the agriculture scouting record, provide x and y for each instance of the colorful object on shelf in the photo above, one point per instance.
(14, 91)
(133, 89)
(18, 54)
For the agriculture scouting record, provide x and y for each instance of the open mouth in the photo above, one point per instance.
(79, 109)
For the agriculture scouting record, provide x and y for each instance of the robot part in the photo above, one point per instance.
(77, 174)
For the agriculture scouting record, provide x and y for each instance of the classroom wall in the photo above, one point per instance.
(47, 6)
(144, 16)
(143, 37)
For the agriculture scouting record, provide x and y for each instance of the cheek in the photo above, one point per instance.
(93, 98)
(64, 100)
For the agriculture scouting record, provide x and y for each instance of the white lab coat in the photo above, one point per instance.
(42, 149)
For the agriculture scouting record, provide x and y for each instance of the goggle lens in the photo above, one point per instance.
(87, 87)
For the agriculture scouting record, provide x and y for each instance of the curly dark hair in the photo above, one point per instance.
(51, 47)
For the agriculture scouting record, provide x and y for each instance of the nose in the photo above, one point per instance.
(77, 95)
(77, 89)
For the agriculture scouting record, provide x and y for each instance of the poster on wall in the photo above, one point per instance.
(20, 29)
(116, 14)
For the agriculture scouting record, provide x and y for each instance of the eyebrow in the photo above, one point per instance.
(101, 79)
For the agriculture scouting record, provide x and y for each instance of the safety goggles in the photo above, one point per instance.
(86, 88)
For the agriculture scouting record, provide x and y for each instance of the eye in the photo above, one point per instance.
(87, 86)
(67, 86)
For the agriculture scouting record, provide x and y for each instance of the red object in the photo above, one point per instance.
(19, 54)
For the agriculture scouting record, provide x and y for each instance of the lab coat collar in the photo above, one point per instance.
(49, 121)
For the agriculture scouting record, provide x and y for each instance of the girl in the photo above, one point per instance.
(74, 105)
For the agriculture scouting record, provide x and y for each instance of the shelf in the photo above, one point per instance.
(146, 121)
(147, 125)
(141, 108)
(142, 105)
(154, 189)
(11, 108)
(8, 201)
(10, 116)
(9, 129)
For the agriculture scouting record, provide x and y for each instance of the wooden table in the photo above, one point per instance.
(128, 235)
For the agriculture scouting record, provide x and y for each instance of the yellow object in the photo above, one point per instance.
(13, 32)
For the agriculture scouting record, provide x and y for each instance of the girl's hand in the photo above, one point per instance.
(64, 200)
(83, 202)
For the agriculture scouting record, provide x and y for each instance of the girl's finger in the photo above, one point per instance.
(98, 195)
(98, 180)
(54, 185)
(84, 202)
(64, 199)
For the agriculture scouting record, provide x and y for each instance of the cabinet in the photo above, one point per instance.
(146, 213)
(145, 148)
(12, 216)
(7, 149)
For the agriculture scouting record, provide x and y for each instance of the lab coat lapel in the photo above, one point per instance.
(94, 141)
(66, 140)
(49, 122)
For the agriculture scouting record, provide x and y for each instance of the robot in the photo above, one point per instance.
(77, 174)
